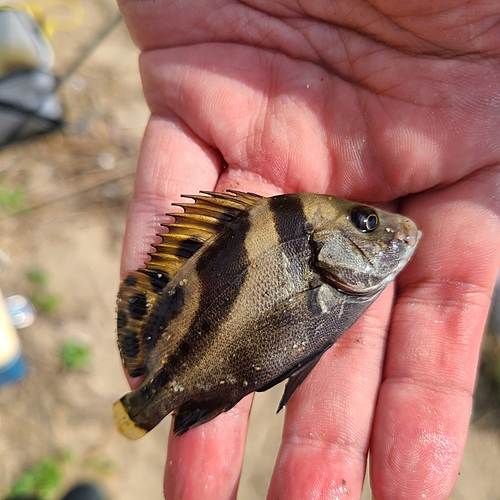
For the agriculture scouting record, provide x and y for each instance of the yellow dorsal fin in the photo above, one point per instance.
(200, 221)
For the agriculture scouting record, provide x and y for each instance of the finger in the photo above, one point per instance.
(167, 144)
(172, 161)
(206, 461)
(424, 404)
(328, 420)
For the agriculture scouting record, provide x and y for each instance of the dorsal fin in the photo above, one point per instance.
(200, 221)
(139, 291)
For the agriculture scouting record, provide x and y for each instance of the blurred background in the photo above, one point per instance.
(63, 204)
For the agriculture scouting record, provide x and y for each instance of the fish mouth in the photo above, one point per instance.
(408, 233)
(410, 236)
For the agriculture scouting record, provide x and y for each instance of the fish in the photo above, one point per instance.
(244, 292)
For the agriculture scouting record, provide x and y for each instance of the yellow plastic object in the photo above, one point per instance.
(22, 44)
(67, 19)
(10, 345)
(50, 15)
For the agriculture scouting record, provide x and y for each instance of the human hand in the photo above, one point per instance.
(392, 103)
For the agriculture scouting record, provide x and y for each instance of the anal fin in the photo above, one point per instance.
(188, 416)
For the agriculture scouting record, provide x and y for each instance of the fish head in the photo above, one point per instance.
(359, 249)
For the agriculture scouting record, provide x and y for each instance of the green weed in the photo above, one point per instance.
(75, 355)
(40, 480)
(44, 301)
(37, 276)
(11, 198)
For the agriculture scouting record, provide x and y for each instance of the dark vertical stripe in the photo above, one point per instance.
(158, 281)
(289, 218)
(219, 270)
(137, 305)
(226, 257)
(291, 223)
(166, 309)
(130, 280)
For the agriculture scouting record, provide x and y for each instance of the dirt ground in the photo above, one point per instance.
(77, 186)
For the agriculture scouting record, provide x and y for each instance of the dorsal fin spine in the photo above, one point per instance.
(166, 257)
(222, 199)
(193, 219)
(192, 228)
(174, 237)
(209, 205)
(250, 197)
(196, 209)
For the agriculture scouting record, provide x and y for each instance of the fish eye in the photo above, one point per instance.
(364, 218)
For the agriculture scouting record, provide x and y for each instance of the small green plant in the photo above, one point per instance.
(40, 480)
(75, 355)
(44, 301)
(37, 276)
(11, 198)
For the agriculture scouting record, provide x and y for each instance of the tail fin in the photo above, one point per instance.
(124, 423)
(142, 409)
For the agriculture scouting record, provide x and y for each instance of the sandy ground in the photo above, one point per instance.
(78, 184)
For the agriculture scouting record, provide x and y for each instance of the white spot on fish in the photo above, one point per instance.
(176, 387)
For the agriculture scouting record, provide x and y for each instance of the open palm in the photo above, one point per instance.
(392, 103)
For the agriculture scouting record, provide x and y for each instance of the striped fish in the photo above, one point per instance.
(244, 292)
